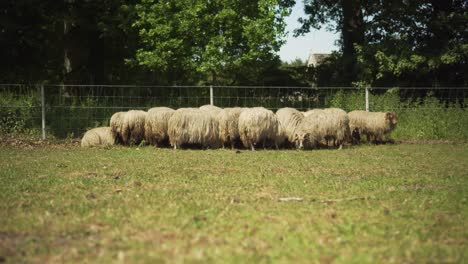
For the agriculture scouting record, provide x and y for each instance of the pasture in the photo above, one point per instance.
(363, 204)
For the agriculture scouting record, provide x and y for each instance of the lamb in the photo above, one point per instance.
(289, 119)
(373, 124)
(116, 123)
(322, 125)
(100, 136)
(193, 126)
(156, 125)
(228, 126)
(133, 127)
(258, 125)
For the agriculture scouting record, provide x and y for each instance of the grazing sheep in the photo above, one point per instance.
(340, 124)
(289, 119)
(228, 126)
(258, 125)
(193, 126)
(322, 125)
(116, 123)
(211, 109)
(373, 124)
(156, 125)
(99, 136)
(133, 127)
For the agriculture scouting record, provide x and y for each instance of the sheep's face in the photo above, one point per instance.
(301, 139)
(391, 119)
(355, 135)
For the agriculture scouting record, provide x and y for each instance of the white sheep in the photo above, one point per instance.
(289, 119)
(322, 125)
(116, 123)
(258, 125)
(228, 126)
(133, 127)
(372, 124)
(211, 109)
(99, 136)
(193, 126)
(156, 125)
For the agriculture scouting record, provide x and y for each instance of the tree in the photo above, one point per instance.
(396, 42)
(418, 44)
(347, 16)
(216, 42)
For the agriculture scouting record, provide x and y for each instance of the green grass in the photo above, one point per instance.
(366, 204)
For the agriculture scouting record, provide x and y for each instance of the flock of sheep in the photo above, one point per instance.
(213, 127)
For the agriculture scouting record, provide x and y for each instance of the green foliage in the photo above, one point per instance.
(19, 114)
(192, 41)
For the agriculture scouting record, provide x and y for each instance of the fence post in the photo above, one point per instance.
(211, 95)
(367, 99)
(43, 112)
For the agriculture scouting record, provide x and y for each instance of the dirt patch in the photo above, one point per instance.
(34, 143)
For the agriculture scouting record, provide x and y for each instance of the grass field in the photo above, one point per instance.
(366, 204)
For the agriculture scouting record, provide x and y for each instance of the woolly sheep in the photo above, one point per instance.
(322, 125)
(116, 123)
(373, 124)
(100, 136)
(211, 109)
(133, 127)
(340, 124)
(193, 126)
(289, 119)
(228, 126)
(258, 125)
(156, 125)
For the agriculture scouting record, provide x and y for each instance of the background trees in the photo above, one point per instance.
(383, 43)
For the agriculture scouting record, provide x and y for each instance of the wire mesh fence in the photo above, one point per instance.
(70, 110)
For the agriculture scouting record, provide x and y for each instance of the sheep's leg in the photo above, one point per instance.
(252, 146)
(232, 144)
(264, 144)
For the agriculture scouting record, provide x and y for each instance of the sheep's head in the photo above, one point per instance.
(391, 119)
(300, 140)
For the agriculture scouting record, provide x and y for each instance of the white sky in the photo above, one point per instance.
(319, 41)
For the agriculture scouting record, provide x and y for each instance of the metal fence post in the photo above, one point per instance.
(367, 99)
(211, 95)
(43, 112)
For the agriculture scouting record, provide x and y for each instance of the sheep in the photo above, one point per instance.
(193, 126)
(99, 136)
(133, 127)
(228, 126)
(373, 124)
(258, 125)
(211, 109)
(340, 121)
(156, 125)
(116, 123)
(289, 119)
(322, 125)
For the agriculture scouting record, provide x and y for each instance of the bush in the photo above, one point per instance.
(19, 114)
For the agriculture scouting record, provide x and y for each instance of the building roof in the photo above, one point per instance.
(316, 58)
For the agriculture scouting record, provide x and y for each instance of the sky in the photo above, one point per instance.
(319, 41)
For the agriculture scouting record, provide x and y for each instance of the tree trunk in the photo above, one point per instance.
(352, 34)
